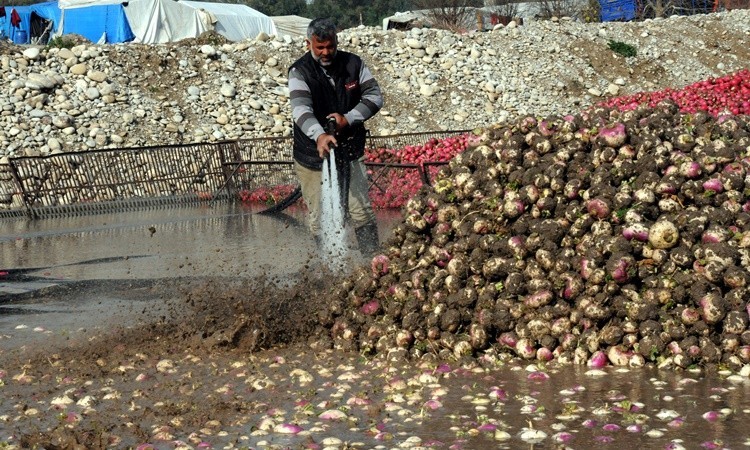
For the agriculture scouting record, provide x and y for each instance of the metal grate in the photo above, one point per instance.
(106, 180)
(260, 163)
(133, 178)
(263, 163)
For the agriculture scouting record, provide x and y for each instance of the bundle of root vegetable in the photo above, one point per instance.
(617, 237)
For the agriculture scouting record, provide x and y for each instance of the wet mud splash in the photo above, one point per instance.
(170, 318)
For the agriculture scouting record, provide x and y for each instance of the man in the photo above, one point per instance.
(327, 84)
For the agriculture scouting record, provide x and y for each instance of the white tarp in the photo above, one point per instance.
(525, 10)
(295, 26)
(235, 22)
(70, 4)
(402, 17)
(160, 21)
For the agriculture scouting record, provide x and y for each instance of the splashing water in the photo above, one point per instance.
(333, 232)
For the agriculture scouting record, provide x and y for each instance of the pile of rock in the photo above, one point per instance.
(112, 96)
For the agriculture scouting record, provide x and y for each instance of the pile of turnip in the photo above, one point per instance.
(394, 186)
(266, 195)
(729, 94)
(609, 236)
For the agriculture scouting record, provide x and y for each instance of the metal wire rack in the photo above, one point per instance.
(132, 178)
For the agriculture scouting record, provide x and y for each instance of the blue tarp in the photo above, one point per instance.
(49, 11)
(612, 10)
(91, 22)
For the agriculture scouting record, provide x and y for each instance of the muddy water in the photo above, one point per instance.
(173, 242)
(90, 253)
(118, 269)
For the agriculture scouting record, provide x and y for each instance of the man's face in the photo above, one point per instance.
(322, 51)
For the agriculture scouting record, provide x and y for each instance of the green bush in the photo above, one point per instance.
(622, 48)
(60, 42)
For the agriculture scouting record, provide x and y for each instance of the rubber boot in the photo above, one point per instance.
(367, 238)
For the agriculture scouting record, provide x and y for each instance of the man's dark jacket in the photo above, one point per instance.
(328, 99)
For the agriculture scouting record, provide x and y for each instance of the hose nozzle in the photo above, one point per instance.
(331, 126)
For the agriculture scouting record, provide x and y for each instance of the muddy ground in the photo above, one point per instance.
(227, 363)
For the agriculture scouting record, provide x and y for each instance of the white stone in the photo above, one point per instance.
(96, 75)
(92, 93)
(208, 50)
(54, 144)
(38, 81)
(31, 53)
(65, 53)
(414, 43)
(427, 90)
(62, 121)
(227, 90)
(79, 69)
(613, 89)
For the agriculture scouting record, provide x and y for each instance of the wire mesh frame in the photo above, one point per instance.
(266, 162)
(106, 180)
(133, 178)
(380, 172)
(258, 163)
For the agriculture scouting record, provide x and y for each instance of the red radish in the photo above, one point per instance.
(597, 360)
(380, 265)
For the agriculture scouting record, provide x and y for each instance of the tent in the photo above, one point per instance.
(160, 21)
(294, 26)
(38, 22)
(146, 21)
(234, 21)
(98, 21)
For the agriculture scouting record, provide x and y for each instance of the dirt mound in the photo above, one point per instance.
(248, 315)
(210, 37)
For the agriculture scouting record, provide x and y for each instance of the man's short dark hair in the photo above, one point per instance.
(322, 28)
